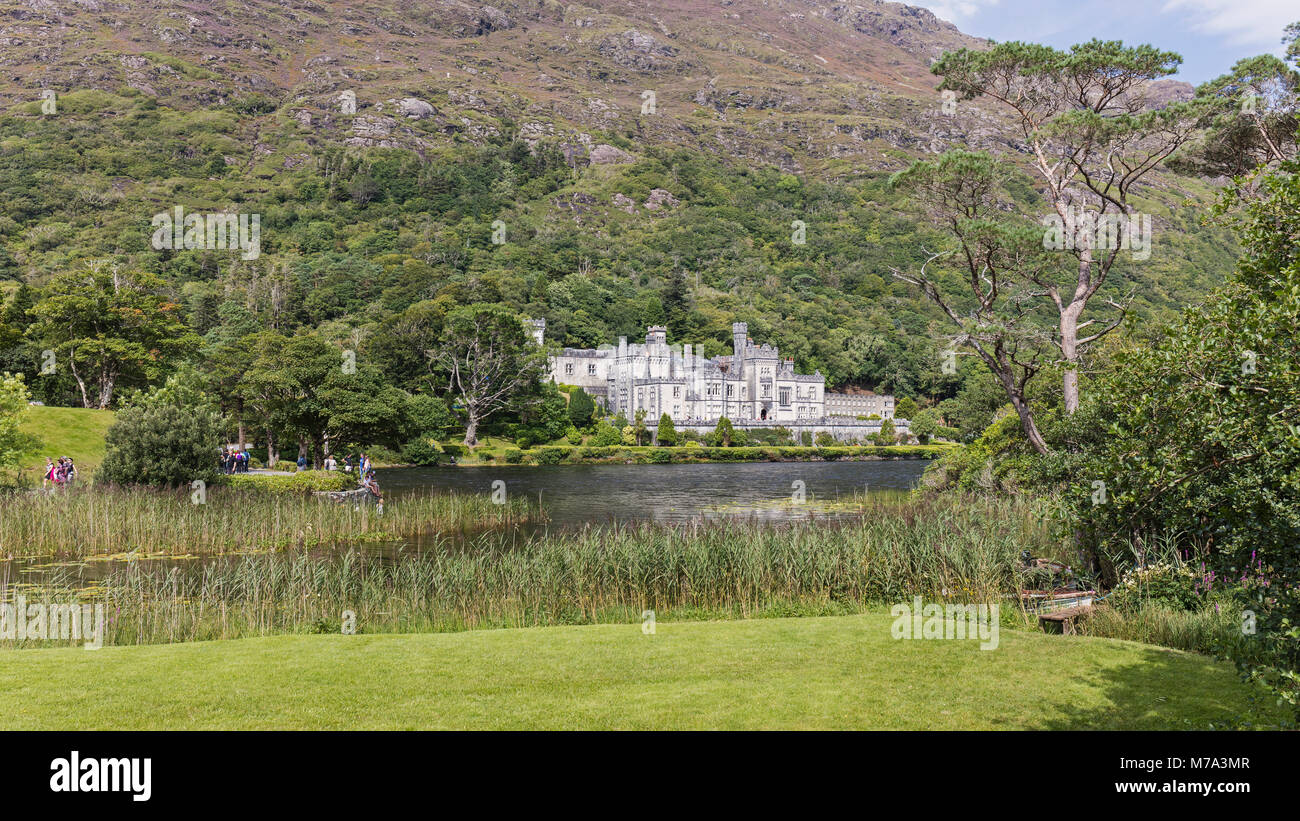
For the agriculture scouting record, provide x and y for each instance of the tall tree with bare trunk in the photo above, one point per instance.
(489, 360)
(1092, 131)
(988, 289)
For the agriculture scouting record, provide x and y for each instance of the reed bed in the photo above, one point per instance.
(965, 550)
(96, 521)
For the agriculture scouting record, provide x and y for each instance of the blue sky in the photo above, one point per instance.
(1210, 34)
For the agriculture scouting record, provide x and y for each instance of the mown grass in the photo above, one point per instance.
(75, 432)
(943, 549)
(96, 521)
(810, 673)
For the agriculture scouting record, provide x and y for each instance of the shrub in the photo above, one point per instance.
(421, 452)
(606, 435)
(550, 456)
(514, 456)
(162, 445)
(1167, 584)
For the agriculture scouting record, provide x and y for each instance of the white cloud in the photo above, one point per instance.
(1238, 22)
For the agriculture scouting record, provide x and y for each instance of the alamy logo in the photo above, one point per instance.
(179, 231)
(75, 774)
(1087, 229)
(20, 621)
(946, 621)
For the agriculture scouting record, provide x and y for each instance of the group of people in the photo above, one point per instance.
(60, 474)
(364, 467)
(234, 461)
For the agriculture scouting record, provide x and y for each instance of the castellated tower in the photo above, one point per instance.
(739, 339)
(537, 329)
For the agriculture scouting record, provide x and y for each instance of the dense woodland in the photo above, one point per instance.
(368, 252)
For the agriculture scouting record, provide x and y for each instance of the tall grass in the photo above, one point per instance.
(1211, 629)
(964, 550)
(89, 521)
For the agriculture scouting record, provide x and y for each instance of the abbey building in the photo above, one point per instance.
(752, 385)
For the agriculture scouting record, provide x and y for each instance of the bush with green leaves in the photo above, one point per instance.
(162, 445)
(421, 451)
(606, 435)
(1170, 584)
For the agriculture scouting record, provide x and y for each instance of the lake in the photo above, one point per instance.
(574, 495)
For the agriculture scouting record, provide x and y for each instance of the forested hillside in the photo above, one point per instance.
(497, 154)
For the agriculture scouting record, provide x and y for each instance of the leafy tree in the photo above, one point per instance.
(1001, 258)
(581, 408)
(14, 444)
(1092, 138)
(887, 434)
(905, 407)
(542, 412)
(1203, 438)
(489, 359)
(723, 435)
(108, 326)
(924, 425)
(642, 433)
(429, 416)
(666, 434)
(1250, 118)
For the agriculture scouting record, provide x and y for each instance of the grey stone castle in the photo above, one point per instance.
(753, 386)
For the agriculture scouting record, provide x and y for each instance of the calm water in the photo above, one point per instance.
(577, 495)
(574, 495)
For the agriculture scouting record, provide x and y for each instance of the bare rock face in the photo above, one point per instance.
(1161, 93)
(368, 130)
(492, 18)
(660, 198)
(415, 109)
(625, 202)
(635, 50)
(607, 155)
(912, 29)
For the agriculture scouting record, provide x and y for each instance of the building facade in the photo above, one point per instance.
(753, 386)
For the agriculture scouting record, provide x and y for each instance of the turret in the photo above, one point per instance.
(537, 329)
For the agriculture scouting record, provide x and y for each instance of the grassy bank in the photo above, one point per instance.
(812, 673)
(104, 521)
(946, 549)
(75, 432)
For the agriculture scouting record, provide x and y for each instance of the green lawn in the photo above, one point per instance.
(75, 432)
(835, 672)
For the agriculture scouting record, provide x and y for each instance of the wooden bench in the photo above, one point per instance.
(1064, 621)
